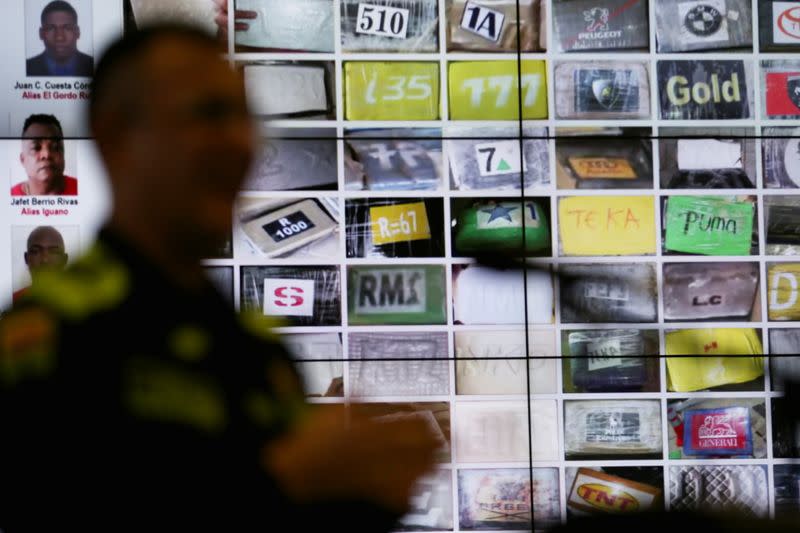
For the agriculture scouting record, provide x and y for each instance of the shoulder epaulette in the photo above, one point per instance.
(27, 345)
(261, 326)
(96, 282)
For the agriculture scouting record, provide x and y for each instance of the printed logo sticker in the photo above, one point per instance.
(289, 297)
(786, 22)
(606, 90)
(723, 431)
(704, 21)
(783, 93)
(596, 18)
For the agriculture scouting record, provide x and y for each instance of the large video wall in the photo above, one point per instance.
(644, 156)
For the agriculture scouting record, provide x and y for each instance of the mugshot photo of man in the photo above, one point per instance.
(42, 157)
(44, 251)
(60, 32)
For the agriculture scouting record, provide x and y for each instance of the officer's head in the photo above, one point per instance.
(42, 154)
(45, 250)
(171, 123)
(59, 30)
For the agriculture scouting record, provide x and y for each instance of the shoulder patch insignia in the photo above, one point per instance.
(261, 326)
(189, 343)
(27, 345)
(94, 283)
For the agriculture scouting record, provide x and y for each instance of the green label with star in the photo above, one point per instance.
(500, 226)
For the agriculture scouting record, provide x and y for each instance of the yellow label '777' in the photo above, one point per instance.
(490, 90)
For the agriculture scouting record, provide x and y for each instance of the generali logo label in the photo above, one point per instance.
(724, 431)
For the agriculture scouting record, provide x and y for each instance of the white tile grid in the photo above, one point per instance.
(655, 123)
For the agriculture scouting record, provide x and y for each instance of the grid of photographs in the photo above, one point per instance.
(640, 158)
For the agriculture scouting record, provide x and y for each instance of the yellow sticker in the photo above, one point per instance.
(490, 90)
(391, 91)
(710, 369)
(783, 280)
(397, 223)
(602, 167)
(607, 225)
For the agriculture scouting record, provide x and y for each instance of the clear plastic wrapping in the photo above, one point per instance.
(318, 357)
(704, 291)
(702, 158)
(705, 89)
(303, 296)
(710, 368)
(780, 82)
(781, 157)
(779, 26)
(302, 25)
(290, 89)
(393, 159)
(407, 227)
(297, 158)
(608, 293)
(397, 294)
(710, 225)
(614, 490)
(507, 225)
(491, 25)
(741, 488)
(503, 498)
(602, 90)
(610, 360)
(410, 26)
(586, 25)
(604, 158)
(612, 427)
(481, 162)
(483, 295)
(395, 377)
(684, 26)
(199, 13)
(289, 227)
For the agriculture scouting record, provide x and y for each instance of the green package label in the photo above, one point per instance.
(408, 294)
(708, 225)
(499, 227)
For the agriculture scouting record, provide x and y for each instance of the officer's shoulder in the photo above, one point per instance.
(260, 327)
(28, 344)
(97, 282)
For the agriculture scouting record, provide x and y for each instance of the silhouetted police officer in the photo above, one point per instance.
(131, 394)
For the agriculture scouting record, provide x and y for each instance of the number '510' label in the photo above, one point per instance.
(391, 91)
(490, 90)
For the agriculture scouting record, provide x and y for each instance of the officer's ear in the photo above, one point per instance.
(77, 32)
(64, 259)
(41, 34)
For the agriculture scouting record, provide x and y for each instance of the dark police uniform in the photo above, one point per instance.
(123, 393)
